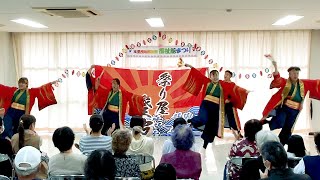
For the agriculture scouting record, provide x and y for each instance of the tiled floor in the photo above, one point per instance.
(213, 158)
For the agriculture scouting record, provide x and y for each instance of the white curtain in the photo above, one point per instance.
(45, 57)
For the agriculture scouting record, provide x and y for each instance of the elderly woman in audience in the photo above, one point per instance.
(296, 147)
(165, 172)
(168, 146)
(250, 169)
(186, 162)
(95, 140)
(126, 167)
(100, 165)
(245, 147)
(141, 144)
(66, 162)
(5, 149)
(310, 164)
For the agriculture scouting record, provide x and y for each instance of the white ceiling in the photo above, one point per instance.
(178, 15)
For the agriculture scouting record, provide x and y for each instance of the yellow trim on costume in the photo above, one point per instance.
(19, 95)
(292, 104)
(222, 113)
(113, 108)
(285, 91)
(212, 99)
(302, 90)
(18, 106)
(295, 90)
(236, 118)
(110, 97)
(213, 88)
(28, 103)
(120, 109)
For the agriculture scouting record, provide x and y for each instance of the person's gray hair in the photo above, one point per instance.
(27, 172)
(264, 136)
(182, 137)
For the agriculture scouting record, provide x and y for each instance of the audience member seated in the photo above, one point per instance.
(126, 167)
(186, 162)
(26, 135)
(95, 140)
(100, 165)
(165, 172)
(275, 160)
(245, 147)
(310, 164)
(27, 163)
(141, 144)
(168, 146)
(296, 147)
(5, 149)
(66, 162)
(250, 169)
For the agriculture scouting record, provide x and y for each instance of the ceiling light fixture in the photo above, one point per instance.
(29, 23)
(287, 20)
(155, 22)
(140, 0)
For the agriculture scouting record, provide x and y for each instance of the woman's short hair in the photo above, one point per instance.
(121, 140)
(96, 123)
(296, 146)
(264, 136)
(165, 171)
(63, 138)
(251, 128)
(100, 165)
(182, 137)
(274, 152)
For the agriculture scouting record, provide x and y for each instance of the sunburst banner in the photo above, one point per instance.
(162, 89)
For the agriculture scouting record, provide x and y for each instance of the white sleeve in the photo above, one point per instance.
(300, 168)
(166, 147)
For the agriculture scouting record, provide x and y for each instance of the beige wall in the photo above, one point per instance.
(315, 74)
(7, 68)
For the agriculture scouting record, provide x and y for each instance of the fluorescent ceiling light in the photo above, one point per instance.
(155, 22)
(140, 0)
(29, 23)
(287, 20)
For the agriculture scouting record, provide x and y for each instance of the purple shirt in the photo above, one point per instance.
(187, 163)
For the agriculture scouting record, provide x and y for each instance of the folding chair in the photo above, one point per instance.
(144, 159)
(5, 157)
(67, 177)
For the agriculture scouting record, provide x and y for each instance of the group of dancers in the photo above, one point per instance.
(218, 109)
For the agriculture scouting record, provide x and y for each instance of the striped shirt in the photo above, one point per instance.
(90, 143)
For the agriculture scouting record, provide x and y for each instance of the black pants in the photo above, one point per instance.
(110, 117)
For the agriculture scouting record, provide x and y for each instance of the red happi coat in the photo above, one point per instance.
(237, 95)
(44, 94)
(313, 86)
(98, 98)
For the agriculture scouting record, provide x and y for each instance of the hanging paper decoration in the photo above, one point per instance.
(198, 48)
(269, 75)
(261, 73)
(132, 46)
(203, 53)
(247, 76)
(72, 72)
(177, 42)
(183, 44)
(210, 61)
(164, 37)
(120, 54)
(215, 65)
(60, 80)
(189, 45)
(108, 65)
(254, 75)
(138, 44)
(154, 37)
(127, 47)
(159, 33)
(206, 56)
(144, 42)
(64, 76)
(66, 72)
(170, 40)
(113, 62)
(233, 74)
(220, 69)
(149, 40)
(239, 76)
(267, 70)
(83, 74)
(117, 58)
(78, 73)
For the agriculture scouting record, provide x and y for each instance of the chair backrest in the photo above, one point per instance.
(127, 178)
(143, 159)
(5, 157)
(67, 177)
(2, 177)
(293, 161)
(239, 161)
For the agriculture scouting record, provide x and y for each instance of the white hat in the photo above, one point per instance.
(27, 160)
